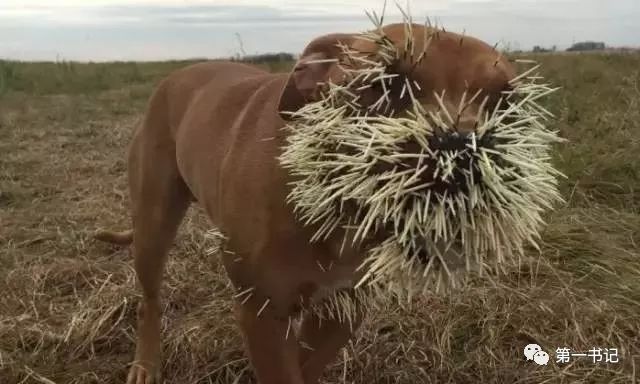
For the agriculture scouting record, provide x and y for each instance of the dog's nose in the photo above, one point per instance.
(466, 124)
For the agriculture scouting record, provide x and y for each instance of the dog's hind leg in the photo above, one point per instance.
(159, 201)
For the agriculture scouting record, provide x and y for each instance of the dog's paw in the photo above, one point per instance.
(143, 374)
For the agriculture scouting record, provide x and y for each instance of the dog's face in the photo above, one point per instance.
(461, 75)
(466, 74)
(418, 136)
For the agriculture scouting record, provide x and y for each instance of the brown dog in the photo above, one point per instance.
(212, 133)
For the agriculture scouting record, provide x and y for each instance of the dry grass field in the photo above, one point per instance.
(67, 303)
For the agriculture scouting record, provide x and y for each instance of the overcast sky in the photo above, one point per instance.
(165, 29)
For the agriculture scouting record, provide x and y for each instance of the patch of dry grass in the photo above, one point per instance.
(68, 303)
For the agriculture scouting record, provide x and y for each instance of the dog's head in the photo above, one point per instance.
(436, 63)
(423, 137)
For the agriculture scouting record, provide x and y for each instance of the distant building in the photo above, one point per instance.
(587, 46)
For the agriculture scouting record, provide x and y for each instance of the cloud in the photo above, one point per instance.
(92, 12)
(157, 29)
(88, 12)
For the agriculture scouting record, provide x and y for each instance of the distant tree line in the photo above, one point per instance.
(587, 46)
(577, 47)
(538, 49)
(283, 57)
(265, 58)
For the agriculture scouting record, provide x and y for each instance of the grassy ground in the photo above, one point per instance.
(67, 303)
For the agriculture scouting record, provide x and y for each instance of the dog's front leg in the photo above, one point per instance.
(274, 356)
(321, 340)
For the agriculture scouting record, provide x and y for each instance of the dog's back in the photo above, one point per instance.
(212, 133)
(221, 115)
(208, 96)
(213, 80)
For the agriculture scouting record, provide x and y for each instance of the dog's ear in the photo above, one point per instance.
(313, 68)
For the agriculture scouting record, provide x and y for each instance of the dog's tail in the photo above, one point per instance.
(119, 238)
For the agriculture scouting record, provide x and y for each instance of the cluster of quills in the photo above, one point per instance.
(345, 306)
(447, 203)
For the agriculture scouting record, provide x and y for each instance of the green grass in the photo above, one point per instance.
(46, 78)
(67, 304)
